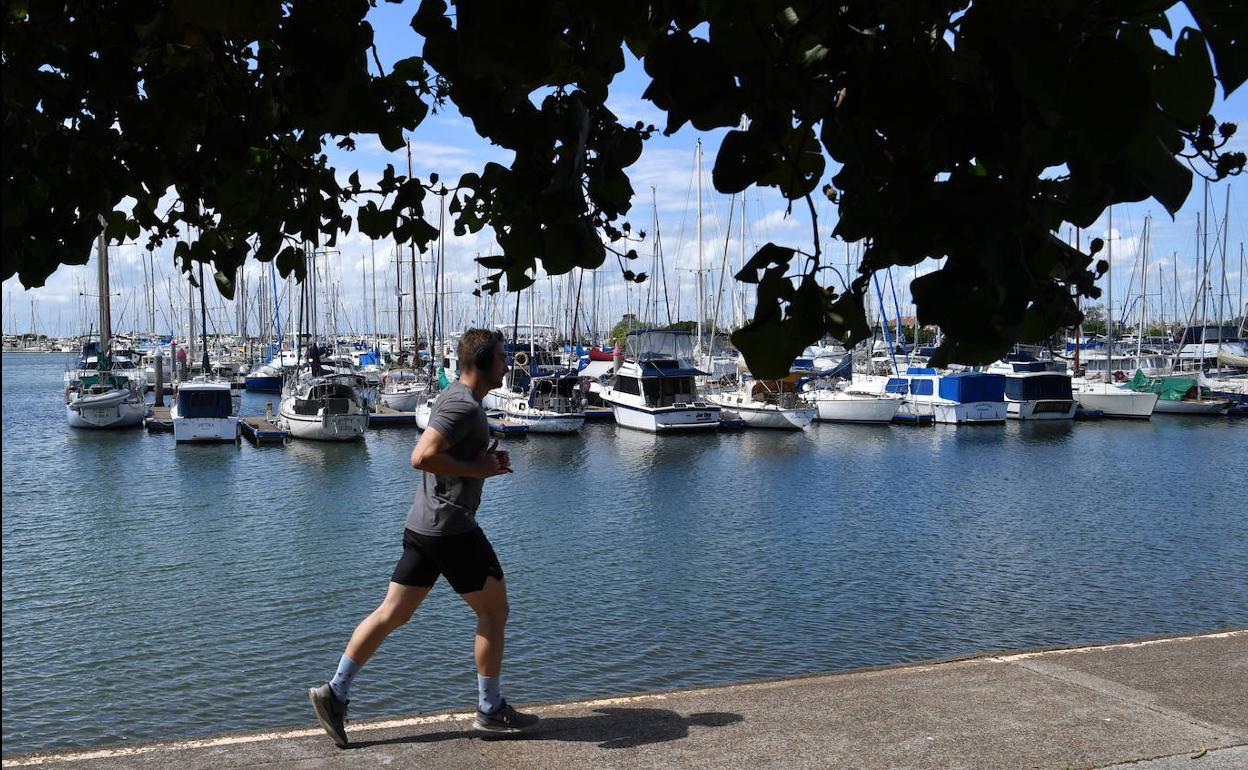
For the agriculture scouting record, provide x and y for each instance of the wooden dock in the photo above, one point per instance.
(260, 430)
(158, 420)
(381, 416)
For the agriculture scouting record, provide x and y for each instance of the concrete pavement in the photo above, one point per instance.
(1158, 704)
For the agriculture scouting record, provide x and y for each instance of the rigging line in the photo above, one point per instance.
(723, 269)
(884, 323)
(680, 238)
(897, 309)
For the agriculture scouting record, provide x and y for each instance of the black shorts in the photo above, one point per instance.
(466, 559)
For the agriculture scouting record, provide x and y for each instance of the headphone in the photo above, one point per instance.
(483, 357)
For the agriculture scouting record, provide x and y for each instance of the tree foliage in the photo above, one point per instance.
(966, 132)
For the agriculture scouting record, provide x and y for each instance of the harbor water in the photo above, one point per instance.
(153, 592)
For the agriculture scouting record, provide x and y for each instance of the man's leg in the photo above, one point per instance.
(490, 604)
(329, 701)
(395, 610)
(493, 712)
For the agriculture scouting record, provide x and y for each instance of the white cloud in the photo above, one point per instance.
(631, 109)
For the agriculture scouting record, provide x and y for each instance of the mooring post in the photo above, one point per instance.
(160, 379)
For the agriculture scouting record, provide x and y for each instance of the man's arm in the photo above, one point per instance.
(432, 455)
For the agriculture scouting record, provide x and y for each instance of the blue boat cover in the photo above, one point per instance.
(968, 387)
(920, 370)
(1055, 386)
(1031, 366)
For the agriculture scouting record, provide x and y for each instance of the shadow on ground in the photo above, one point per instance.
(610, 728)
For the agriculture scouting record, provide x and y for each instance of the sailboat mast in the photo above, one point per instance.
(701, 309)
(1204, 275)
(1223, 290)
(1109, 314)
(106, 326)
(203, 310)
(1079, 306)
(1139, 334)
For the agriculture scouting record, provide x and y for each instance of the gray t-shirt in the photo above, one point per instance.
(447, 505)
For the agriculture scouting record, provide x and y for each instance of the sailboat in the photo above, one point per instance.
(547, 403)
(547, 400)
(1179, 394)
(105, 398)
(765, 404)
(852, 404)
(403, 389)
(1106, 397)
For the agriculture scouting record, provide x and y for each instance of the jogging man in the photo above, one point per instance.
(442, 538)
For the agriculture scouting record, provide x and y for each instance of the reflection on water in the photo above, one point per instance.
(633, 561)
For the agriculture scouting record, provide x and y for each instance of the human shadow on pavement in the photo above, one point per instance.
(610, 728)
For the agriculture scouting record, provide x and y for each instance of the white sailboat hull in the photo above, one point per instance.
(120, 414)
(1212, 407)
(544, 422)
(851, 408)
(424, 411)
(1041, 409)
(323, 427)
(775, 417)
(1113, 402)
(403, 401)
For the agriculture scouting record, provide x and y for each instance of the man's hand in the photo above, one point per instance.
(498, 461)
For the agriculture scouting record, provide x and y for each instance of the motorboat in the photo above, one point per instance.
(960, 398)
(654, 388)
(204, 412)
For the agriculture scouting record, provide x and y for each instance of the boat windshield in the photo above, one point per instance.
(204, 403)
(661, 345)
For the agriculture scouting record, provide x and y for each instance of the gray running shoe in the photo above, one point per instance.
(331, 712)
(505, 720)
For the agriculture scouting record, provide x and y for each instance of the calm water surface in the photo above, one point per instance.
(153, 593)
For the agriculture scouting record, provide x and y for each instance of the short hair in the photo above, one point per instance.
(473, 346)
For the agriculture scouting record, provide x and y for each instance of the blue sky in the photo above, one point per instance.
(446, 143)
